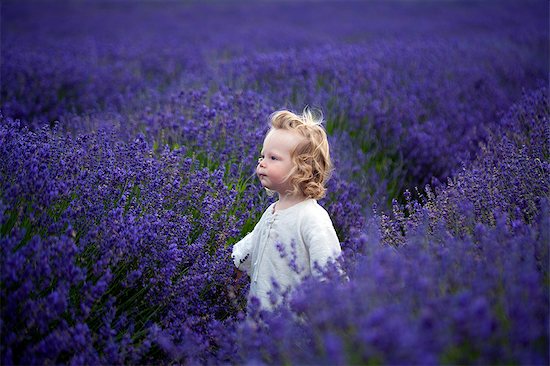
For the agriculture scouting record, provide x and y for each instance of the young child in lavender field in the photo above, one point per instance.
(295, 235)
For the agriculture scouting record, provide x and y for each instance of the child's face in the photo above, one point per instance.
(276, 162)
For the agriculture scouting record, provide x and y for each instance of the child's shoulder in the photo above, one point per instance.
(312, 210)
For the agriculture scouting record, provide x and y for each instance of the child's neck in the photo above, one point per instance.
(286, 201)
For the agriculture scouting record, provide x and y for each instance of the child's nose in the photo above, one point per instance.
(261, 162)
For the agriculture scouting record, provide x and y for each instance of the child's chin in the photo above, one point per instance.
(267, 187)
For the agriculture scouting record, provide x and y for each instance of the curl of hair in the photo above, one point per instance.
(312, 166)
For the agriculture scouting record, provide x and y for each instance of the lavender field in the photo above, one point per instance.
(129, 136)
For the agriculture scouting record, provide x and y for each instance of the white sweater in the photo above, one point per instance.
(284, 246)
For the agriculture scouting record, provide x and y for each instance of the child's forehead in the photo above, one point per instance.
(280, 139)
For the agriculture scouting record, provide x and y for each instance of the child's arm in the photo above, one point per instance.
(242, 252)
(322, 242)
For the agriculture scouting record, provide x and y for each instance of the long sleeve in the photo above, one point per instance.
(242, 253)
(321, 241)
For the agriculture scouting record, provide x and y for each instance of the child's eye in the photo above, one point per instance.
(260, 159)
(273, 158)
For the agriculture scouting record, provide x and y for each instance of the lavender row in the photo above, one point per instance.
(101, 240)
(61, 58)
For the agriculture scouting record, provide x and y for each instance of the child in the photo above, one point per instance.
(295, 235)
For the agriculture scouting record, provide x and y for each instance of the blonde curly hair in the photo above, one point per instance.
(311, 157)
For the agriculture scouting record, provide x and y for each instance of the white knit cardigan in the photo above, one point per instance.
(284, 247)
